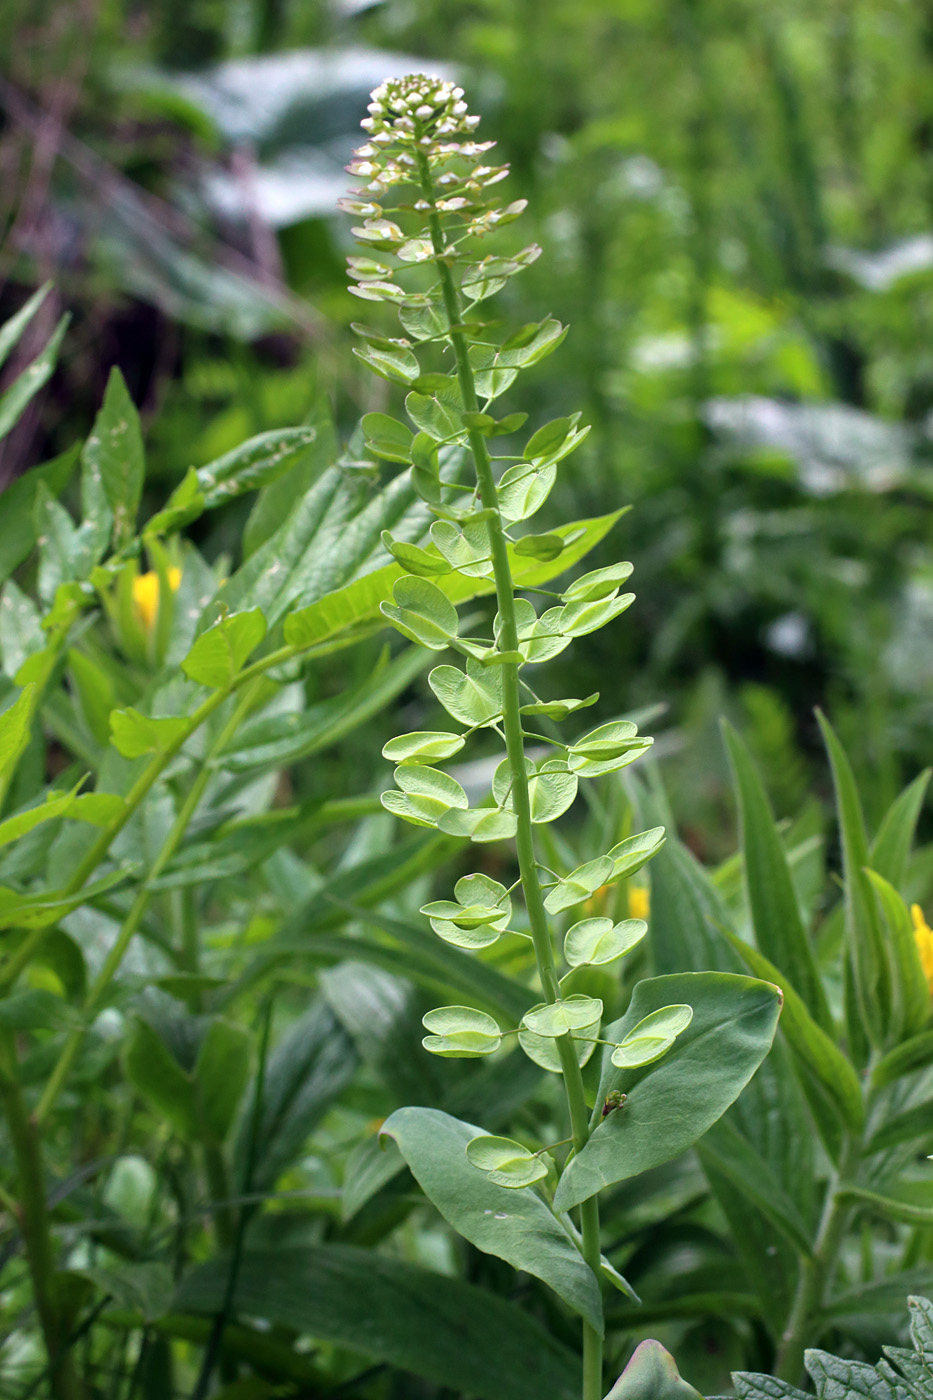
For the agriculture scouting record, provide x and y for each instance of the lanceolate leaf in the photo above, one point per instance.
(28, 384)
(672, 1103)
(115, 451)
(451, 1333)
(891, 847)
(779, 929)
(515, 1225)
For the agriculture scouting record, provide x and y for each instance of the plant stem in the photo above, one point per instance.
(515, 751)
(815, 1271)
(131, 923)
(33, 1215)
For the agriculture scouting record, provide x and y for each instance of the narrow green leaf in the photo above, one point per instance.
(890, 849)
(12, 330)
(27, 385)
(15, 722)
(115, 452)
(779, 930)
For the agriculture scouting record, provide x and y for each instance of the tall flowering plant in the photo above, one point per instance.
(688, 1043)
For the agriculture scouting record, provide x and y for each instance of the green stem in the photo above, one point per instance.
(816, 1271)
(35, 1225)
(114, 958)
(515, 751)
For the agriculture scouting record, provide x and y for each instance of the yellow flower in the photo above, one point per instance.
(146, 595)
(639, 902)
(924, 936)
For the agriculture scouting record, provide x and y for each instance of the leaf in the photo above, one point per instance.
(114, 451)
(523, 489)
(890, 849)
(220, 652)
(911, 1055)
(135, 734)
(506, 1163)
(814, 1051)
(451, 1333)
(608, 748)
(422, 746)
(422, 613)
(387, 438)
(255, 463)
(309, 1067)
(596, 942)
(473, 697)
(866, 947)
(748, 1172)
(599, 583)
(779, 930)
(557, 1018)
(481, 912)
(146, 1287)
(18, 535)
(672, 1104)
(11, 331)
(559, 709)
(630, 855)
(395, 363)
(15, 724)
(479, 824)
(460, 1032)
(439, 413)
(221, 1072)
(652, 1375)
(519, 1228)
(157, 1077)
(34, 1009)
(426, 794)
(358, 602)
(911, 1003)
(652, 1037)
(25, 387)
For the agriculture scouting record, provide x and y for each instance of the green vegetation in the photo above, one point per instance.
(550, 1080)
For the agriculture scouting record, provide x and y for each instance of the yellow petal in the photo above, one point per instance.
(146, 598)
(639, 902)
(924, 936)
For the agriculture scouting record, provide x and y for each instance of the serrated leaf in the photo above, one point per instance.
(652, 1037)
(599, 941)
(505, 1163)
(220, 652)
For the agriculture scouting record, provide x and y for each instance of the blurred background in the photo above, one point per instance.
(735, 202)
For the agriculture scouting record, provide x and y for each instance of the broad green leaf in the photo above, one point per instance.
(465, 548)
(518, 1228)
(114, 450)
(422, 746)
(547, 546)
(34, 1009)
(220, 652)
(15, 724)
(101, 809)
(779, 930)
(670, 1105)
(608, 748)
(473, 697)
(135, 734)
(598, 584)
(866, 947)
(396, 364)
(652, 1374)
(27, 385)
(599, 941)
(481, 912)
(423, 316)
(813, 1049)
(387, 438)
(630, 855)
(542, 1023)
(451, 1334)
(652, 1037)
(479, 824)
(506, 1163)
(579, 884)
(422, 613)
(144, 1286)
(552, 1019)
(555, 441)
(551, 788)
(426, 794)
(460, 1032)
(429, 563)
